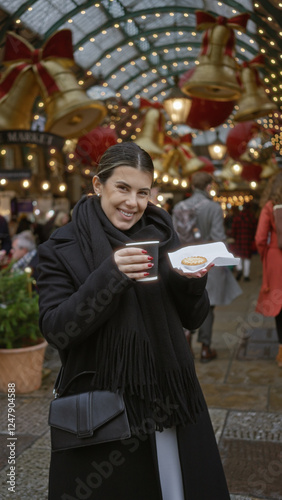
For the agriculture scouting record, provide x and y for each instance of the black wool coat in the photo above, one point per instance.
(69, 320)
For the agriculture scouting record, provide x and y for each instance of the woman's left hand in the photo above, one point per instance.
(198, 274)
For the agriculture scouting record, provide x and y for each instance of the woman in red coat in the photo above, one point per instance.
(270, 297)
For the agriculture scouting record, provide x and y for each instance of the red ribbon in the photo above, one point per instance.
(144, 103)
(187, 138)
(204, 20)
(18, 50)
(256, 61)
(179, 143)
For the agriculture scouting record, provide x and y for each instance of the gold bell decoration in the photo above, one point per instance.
(18, 89)
(254, 102)
(69, 111)
(269, 168)
(178, 155)
(215, 77)
(151, 137)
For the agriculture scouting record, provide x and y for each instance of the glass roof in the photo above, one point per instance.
(135, 47)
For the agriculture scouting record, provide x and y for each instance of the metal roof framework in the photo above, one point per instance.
(135, 48)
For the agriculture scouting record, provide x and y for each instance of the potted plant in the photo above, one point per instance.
(22, 346)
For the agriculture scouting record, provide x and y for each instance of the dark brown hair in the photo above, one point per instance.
(200, 180)
(124, 154)
(272, 191)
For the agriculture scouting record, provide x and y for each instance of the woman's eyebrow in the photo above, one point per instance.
(128, 185)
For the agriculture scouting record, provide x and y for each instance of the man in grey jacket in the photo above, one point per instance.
(221, 285)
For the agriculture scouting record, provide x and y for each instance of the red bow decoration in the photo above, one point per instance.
(18, 50)
(253, 64)
(144, 103)
(176, 142)
(181, 144)
(205, 21)
(256, 61)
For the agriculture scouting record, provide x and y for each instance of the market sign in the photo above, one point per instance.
(15, 175)
(31, 137)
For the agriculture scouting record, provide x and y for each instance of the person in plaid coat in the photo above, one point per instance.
(243, 232)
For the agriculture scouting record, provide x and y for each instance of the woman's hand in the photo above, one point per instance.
(134, 262)
(198, 274)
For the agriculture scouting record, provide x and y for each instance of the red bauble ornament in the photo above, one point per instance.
(205, 113)
(251, 171)
(238, 138)
(92, 146)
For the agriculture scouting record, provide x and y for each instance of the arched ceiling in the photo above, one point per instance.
(134, 48)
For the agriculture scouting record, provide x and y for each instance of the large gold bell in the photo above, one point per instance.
(215, 77)
(151, 138)
(254, 102)
(16, 106)
(70, 112)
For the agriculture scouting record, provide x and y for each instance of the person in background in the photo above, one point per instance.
(24, 224)
(117, 333)
(243, 232)
(5, 240)
(269, 301)
(24, 252)
(168, 205)
(60, 218)
(221, 285)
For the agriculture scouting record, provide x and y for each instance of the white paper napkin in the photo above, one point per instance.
(215, 253)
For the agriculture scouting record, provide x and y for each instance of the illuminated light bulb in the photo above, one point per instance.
(184, 184)
(3, 152)
(25, 184)
(62, 187)
(3, 182)
(165, 178)
(45, 185)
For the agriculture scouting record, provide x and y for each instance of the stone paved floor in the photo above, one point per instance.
(243, 389)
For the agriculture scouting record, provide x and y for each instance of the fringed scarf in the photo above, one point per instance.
(141, 349)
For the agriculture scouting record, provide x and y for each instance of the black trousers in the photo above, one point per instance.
(278, 321)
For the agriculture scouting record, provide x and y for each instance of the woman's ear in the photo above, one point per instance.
(97, 185)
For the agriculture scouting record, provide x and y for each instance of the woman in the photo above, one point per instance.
(132, 338)
(243, 231)
(270, 297)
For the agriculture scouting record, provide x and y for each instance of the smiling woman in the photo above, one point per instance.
(124, 190)
(117, 333)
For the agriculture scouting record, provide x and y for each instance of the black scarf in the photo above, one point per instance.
(141, 348)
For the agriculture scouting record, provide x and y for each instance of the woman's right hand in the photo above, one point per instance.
(133, 262)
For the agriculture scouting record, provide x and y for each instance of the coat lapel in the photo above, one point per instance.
(68, 251)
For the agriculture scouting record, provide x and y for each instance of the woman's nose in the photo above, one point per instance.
(131, 199)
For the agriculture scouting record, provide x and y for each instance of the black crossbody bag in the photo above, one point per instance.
(87, 418)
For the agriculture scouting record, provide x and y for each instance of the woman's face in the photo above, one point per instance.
(124, 196)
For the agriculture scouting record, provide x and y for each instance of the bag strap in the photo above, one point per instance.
(56, 390)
